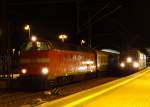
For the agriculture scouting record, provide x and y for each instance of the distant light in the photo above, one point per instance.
(27, 27)
(63, 37)
(82, 42)
(33, 38)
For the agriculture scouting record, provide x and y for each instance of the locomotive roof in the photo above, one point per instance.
(111, 51)
(62, 46)
(66, 46)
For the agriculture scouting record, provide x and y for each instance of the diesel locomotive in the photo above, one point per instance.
(58, 63)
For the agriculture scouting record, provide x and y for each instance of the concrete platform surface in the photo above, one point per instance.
(130, 91)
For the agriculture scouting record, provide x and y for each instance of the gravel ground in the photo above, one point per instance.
(30, 99)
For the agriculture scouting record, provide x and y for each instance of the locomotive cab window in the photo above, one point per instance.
(36, 46)
(131, 54)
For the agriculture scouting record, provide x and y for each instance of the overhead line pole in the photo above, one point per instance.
(89, 32)
(78, 16)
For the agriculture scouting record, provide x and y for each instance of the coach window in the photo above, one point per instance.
(102, 59)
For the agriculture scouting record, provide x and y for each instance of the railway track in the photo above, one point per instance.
(30, 99)
(17, 99)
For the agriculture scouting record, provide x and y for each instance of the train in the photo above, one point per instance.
(53, 64)
(132, 60)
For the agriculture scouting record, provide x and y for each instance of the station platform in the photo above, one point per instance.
(130, 91)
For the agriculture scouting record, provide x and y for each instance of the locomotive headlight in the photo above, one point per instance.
(24, 71)
(122, 65)
(129, 59)
(135, 65)
(45, 70)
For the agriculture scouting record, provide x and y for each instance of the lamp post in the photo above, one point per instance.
(27, 27)
(63, 37)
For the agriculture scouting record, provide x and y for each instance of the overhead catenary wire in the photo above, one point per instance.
(98, 12)
(102, 17)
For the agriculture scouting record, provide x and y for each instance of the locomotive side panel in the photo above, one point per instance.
(64, 63)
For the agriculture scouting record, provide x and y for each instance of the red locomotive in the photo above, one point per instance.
(60, 63)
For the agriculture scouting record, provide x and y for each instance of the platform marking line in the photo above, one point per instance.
(102, 91)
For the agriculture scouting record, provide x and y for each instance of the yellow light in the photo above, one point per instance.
(63, 37)
(129, 59)
(122, 65)
(45, 70)
(33, 38)
(24, 71)
(27, 27)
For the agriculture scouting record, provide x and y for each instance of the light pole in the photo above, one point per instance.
(27, 27)
(63, 37)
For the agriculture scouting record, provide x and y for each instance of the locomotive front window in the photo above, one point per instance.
(124, 55)
(36, 46)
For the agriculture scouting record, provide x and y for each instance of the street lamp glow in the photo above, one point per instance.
(63, 37)
(27, 27)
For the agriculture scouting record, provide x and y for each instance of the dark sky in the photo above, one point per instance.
(110, 23)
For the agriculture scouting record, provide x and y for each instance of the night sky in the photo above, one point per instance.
(116, 24)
